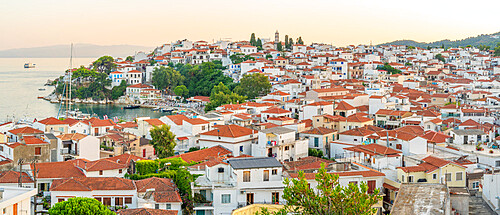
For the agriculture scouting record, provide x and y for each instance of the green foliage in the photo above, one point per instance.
(497, 50)
(163, 140)
(130, 58)
(200, 79)
(181, 91)
(166, 78)
(221, 95)
(330, 198)
(83, 72)
(259, 44)
(96, 89)
(389, 68)
(238, 58)
(104, 64)
(300, 41)
(193, 149)
(269, 56)
(287, 45)
(145, 167)
(119, 90)
(290, 43)
(172, 163)
(483, 39)
(253, 42)
(253, 85)
(440, 57)
(79, 206)
(279, 46)
(103, 146)
(315, 153)
(484, 47)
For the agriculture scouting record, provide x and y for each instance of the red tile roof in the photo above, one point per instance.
(154, 122)
(65, 169)
(319, 131)
(232, 131)
(92, 183)
(52, 121)
(344, 106)
(276, 110)
(26, 130)
(13, 177)
(177, 119)
(33, 140)
(204, 154)
(196, 121)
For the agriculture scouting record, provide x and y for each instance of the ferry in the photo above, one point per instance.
(29, 65)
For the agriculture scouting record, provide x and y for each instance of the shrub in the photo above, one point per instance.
(146, 167)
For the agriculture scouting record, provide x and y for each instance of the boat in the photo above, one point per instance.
(131, 107)
(41, 89)
(40, 97)
(29, 65)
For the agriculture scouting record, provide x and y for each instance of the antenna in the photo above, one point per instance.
(68, 99)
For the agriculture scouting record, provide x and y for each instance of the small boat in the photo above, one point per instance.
(29, 65)
(131, 107)
(41, 89)
(40, 97)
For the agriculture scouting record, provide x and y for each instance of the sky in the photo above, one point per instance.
(34, 23)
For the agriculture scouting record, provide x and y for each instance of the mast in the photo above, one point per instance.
(68, 94)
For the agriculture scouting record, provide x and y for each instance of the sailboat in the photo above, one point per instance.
(29, 65)
(65, 102)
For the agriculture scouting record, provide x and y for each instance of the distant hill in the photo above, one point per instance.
(483, 39)
(79, 50)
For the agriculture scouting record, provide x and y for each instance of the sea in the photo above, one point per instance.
(20, 87)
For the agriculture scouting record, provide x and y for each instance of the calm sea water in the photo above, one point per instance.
(19, 89)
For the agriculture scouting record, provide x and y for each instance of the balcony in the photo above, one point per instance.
(67, 151)
(203, 206)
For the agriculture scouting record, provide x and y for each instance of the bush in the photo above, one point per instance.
(146, 167)
(79, 206)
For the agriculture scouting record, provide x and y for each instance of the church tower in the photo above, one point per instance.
(276, 37)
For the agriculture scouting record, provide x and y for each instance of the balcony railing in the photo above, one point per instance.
(243, 204)
(207, 204)
(68, 152)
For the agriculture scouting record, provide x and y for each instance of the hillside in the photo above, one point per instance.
(483, 39)
(79, 50)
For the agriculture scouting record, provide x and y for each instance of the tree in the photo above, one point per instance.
(287, 45)
(253, 85)
(290, 43)
(166, 78)
(269, 56)
(279, 46)
(497, 50)
(440, 57)
(299, 41)
(222, 98)
(104, 64)
(79, 206)
(119, 90)
(259, 44)
(389, 69)
(329, 197)
(181, 91)
(130, 58)
(253, 42)
(163, 140)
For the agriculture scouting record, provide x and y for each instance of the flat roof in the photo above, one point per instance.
(277, 130)
(251, 163)
(421, 198)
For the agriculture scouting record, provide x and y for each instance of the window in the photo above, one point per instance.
(202, 128)
(157, 206)
(60, 200)
(220, 170)
(100, 172)
(120, 171)
(38, 150)
(475, 185)
(169, 206)
(497, 163)
(316, 142)
(246, 176)
(275, 196)
(448, 176)
(399, 146)
(128, 200)
(98, 199)
(458, 176)
(410, 178)
(266, 175)
(118, 201)
(326, 139)
(353, 182)
(225, 198)
(241, 148)
(274, 172)
(434, 176)
(355, 140)
(286, 148)
(106, 201)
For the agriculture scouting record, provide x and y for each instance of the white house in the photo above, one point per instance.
(16, 200)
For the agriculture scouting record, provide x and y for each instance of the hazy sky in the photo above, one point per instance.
(29, 23)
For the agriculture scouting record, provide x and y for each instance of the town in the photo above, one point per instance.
(416, 128)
